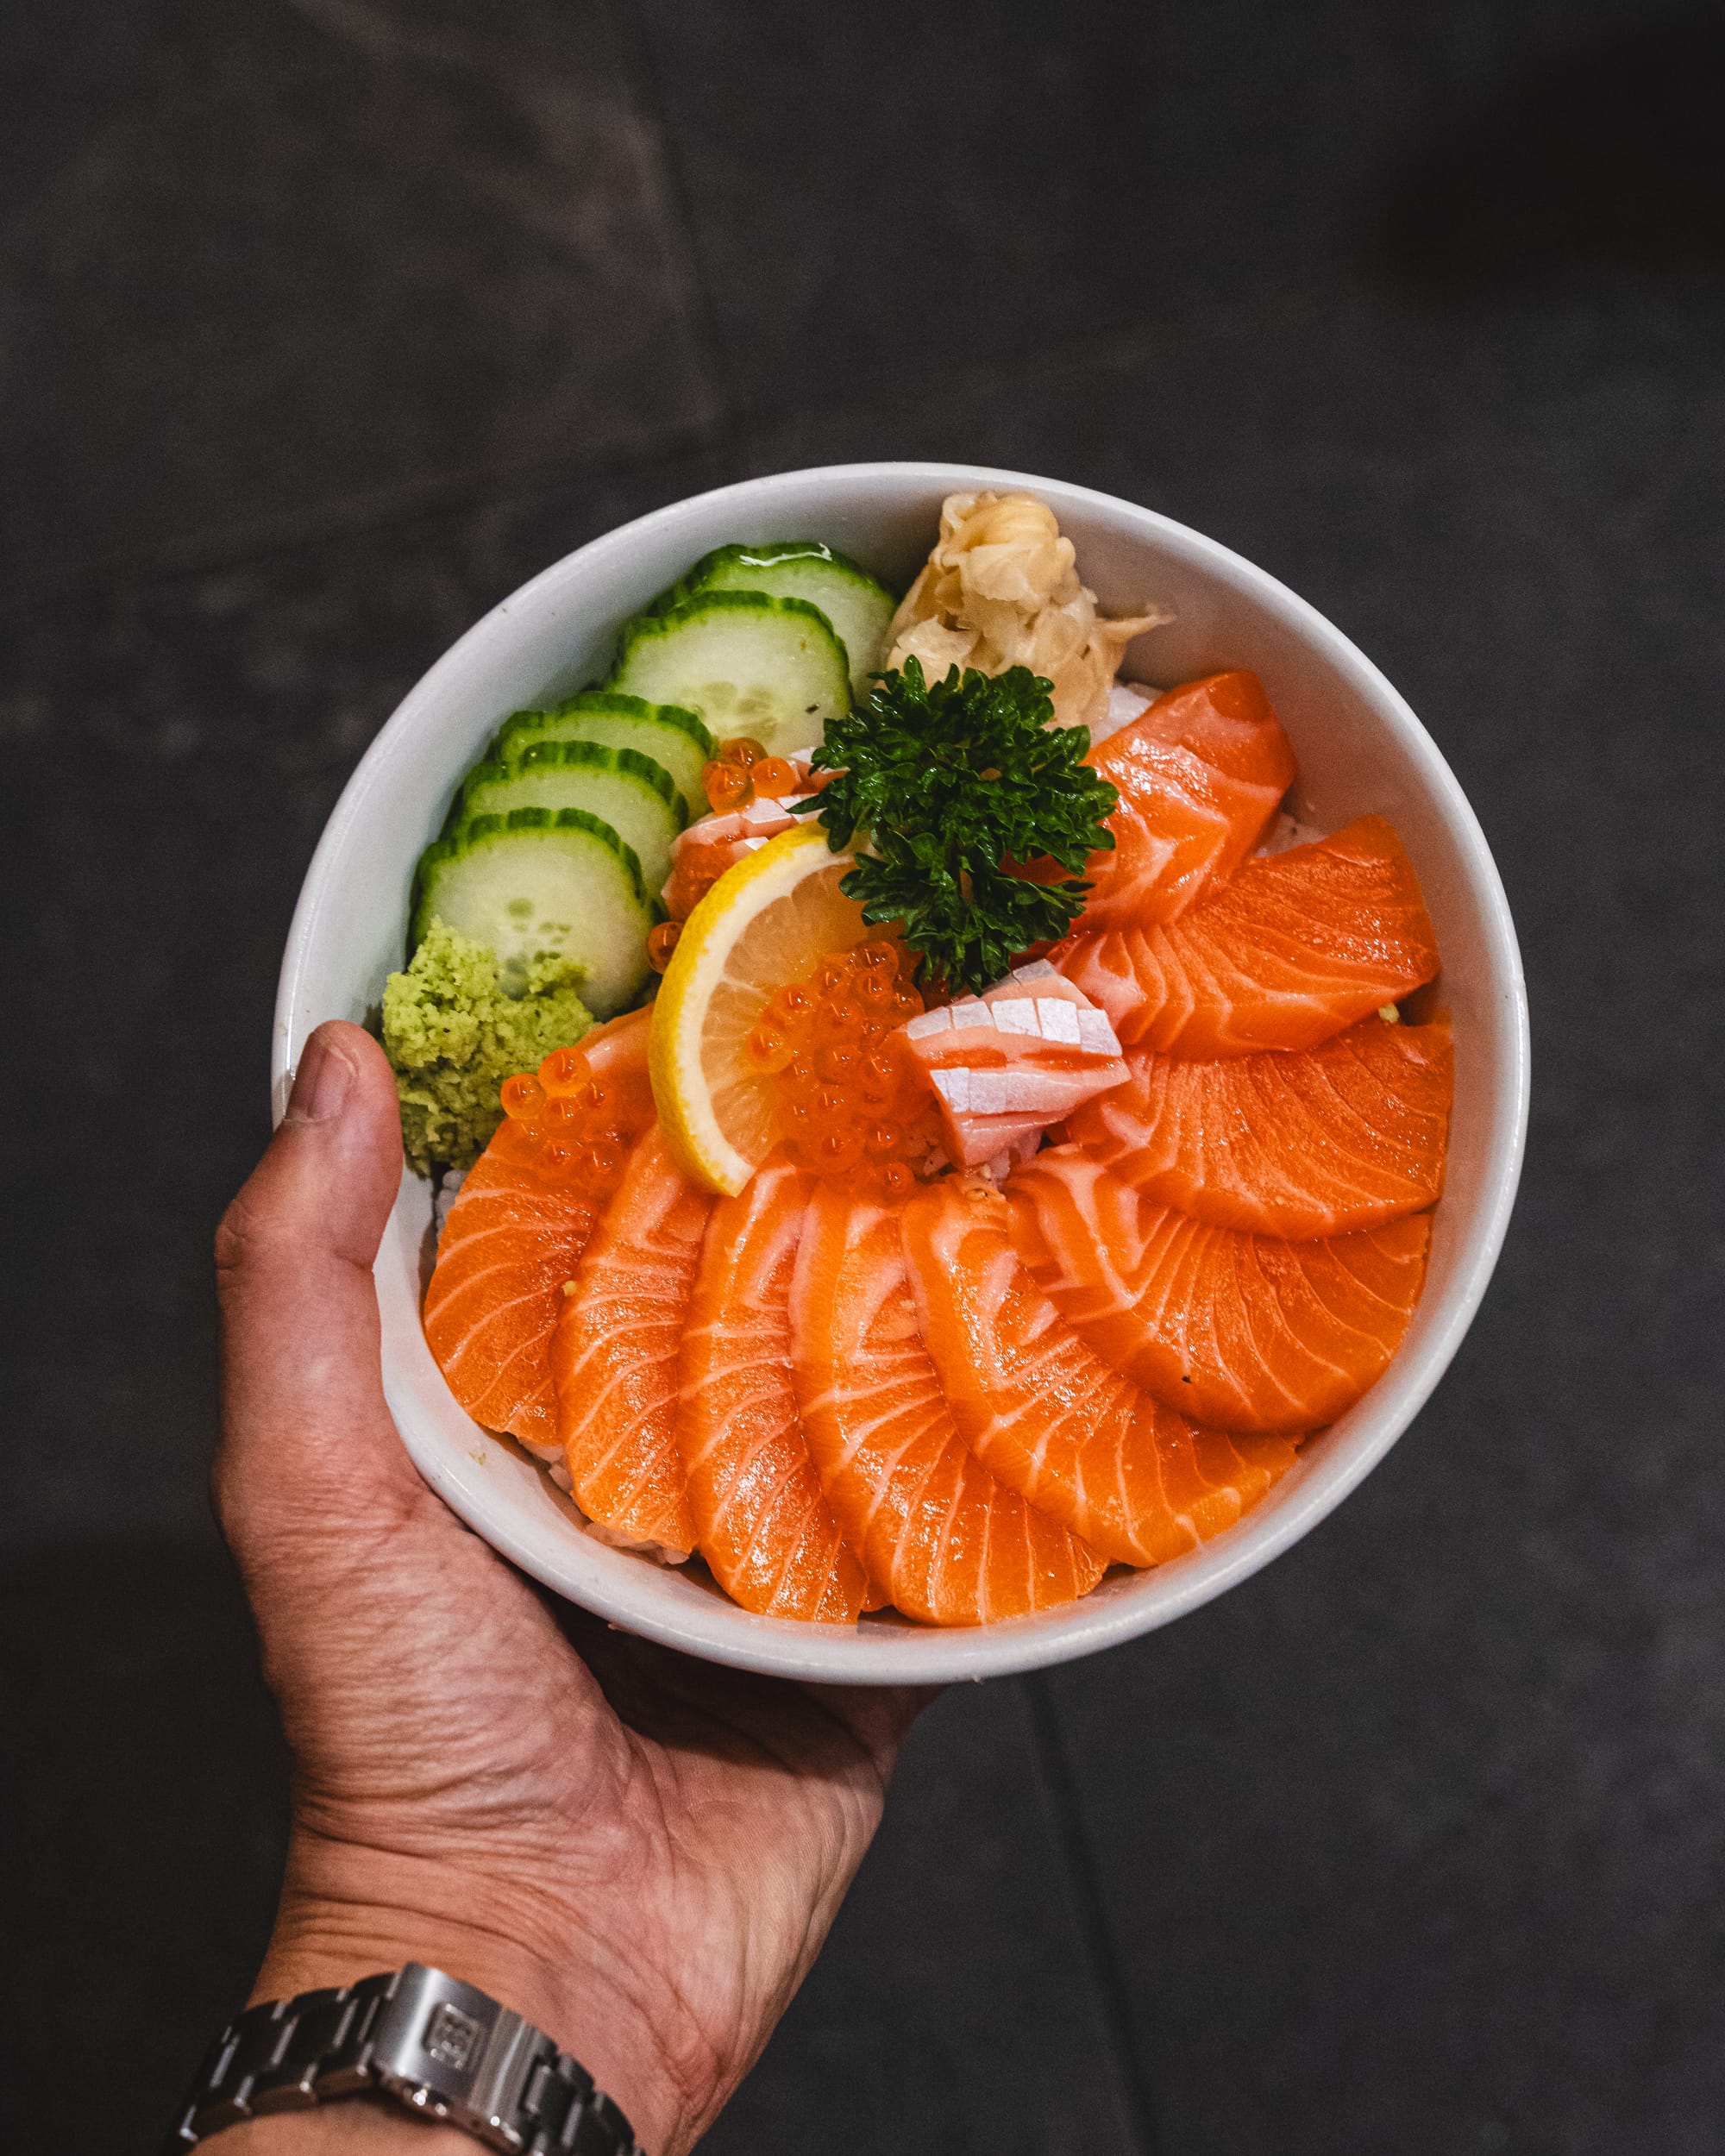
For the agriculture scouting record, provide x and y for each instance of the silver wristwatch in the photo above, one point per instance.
(438, 2045)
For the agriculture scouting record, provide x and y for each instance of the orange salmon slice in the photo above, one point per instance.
(1242, 1331)
(1201, 775)
(1046, 1414)
(1297, 947)
(512, 1238)
(1317, 1142)
(951, 1544)
(761, 1518)
(615, 1353)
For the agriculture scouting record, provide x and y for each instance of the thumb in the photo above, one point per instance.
(308, 1442)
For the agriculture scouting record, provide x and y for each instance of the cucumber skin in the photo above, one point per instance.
(627, 706)
(573, 756)
(650, 627)
(768, 554)
(726, 570)
(525, 730)
(629, 792)
(525, 819)
(559, 754)
(521, 726)
(422, 904)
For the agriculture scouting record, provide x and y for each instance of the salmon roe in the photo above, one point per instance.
(772, 777)
(698, 866)
(741, 772)
(851, 1101)
(575, 1127)
(728, 780)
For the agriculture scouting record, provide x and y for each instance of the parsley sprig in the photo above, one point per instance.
(940, 785)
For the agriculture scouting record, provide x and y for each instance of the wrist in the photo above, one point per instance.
(346, 1914)
(357, 2126)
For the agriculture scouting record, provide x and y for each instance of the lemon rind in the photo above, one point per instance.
(697, 1143)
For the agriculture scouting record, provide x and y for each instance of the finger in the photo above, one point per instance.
(307, 1433)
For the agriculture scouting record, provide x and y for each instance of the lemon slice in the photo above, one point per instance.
(766, 922)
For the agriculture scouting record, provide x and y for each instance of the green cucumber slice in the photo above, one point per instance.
(542, 883)
(675, 739)
(749, 664)
(860, 609)
(629, 792)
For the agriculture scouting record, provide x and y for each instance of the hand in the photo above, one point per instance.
(640, 1852)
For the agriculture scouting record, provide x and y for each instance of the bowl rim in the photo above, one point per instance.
(877, 1653)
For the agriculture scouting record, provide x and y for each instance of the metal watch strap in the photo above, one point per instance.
(442, 2048)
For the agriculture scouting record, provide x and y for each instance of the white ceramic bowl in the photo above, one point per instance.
(1360, 749)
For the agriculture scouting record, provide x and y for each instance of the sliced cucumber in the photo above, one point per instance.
(629, 792)
(749, 664)
(673, 738)
(542, 883)
(860, 609)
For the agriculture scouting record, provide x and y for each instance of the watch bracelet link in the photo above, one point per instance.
(440, 2047)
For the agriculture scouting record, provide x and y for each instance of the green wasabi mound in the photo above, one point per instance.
(453, 1036)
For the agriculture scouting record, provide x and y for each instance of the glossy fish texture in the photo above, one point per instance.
(614, 1359)
(1241, 1331)
(951, 1544)
(1201, 775)
(761, 1518)
(1315, 1141)
(1298, 946)
(1046, 1415)
(513, 1236)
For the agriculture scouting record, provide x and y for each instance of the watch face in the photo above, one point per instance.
(452, 2037)
(444, 2048)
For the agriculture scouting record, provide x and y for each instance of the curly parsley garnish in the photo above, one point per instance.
(945, 783)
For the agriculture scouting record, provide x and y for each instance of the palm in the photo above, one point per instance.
(642, 1853)
(689, 1831)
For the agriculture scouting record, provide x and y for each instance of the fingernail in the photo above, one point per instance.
(319, 1085)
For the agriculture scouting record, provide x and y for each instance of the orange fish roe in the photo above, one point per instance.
(661, 943)
(772, 777)
(573, 1129)
(696, 868)
(851, 1101)
(727, 787)
(728, 780)
(742, 772)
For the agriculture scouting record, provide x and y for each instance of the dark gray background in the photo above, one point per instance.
(323, 324)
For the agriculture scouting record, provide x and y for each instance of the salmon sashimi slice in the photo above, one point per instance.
(761, 1518)
(951, 1544)
(1298, 946)
(1241, 1331)
(615, 1353)
(1041, 1410)
(1213, 1479)
(1201, 775)
(1313, 1142)
(1006, 1064)
(514, 1235)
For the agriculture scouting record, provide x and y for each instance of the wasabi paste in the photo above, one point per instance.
(453, 1036)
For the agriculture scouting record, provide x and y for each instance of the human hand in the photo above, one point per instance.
(640, 1852)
